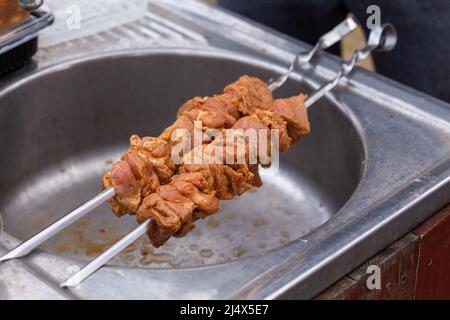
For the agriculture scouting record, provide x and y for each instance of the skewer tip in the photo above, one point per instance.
(71, 282)
(7, 256)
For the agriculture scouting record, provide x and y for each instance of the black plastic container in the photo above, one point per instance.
(17, 57)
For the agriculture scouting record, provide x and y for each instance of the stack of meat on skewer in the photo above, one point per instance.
(174, 194)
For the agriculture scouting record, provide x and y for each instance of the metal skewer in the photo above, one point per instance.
(382, 38)
(28, 246)
(97, 263)
(327, 40)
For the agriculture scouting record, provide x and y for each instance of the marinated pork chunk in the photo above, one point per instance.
(147, 183)
(127, 189)
(295, 116)
(251, 94)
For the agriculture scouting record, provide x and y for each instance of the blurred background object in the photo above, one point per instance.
(356, 40)
(420, 59)
(30, 4)
(20, 24)
(11, 13)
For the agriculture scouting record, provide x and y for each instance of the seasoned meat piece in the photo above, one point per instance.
(228, 181)
(294, 113)
(145, 165)
(181, 205)
(150, 157)
(275, 122)
(268, 120)
(186, 215)
(173, 207)
(214, 174)
(157, 151)
(249, 122)
(239, 177)
(165, 221)
(183, 122)
(188, 185)
(127, 188)
(204, 169)
(221, 184)
(252, 93)
(190, 105)
(197, 180)
(231, 104)
(257, 182)
(142, 169)
(190, 197)
(255, 122)
(219, 176)
(212, 111)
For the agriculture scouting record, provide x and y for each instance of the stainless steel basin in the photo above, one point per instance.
(68, 124)
(376, 164)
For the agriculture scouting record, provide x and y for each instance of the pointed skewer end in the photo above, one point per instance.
(8, 256)
(70, 283)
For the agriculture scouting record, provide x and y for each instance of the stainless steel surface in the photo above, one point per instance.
(29, 245)
(75, 120)
(381, 38)
(327, 40)
(376, 164)
(333, 36)
(258, 222)
(25, 31)
(98, 262)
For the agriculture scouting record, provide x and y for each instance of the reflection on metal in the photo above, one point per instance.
(30, 4)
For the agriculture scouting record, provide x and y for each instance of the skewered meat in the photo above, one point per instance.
(296, 118)
(220, 111)
(251, 94)
(145, 165)
(126, 186)
(213, 111)
(148, 183)
(224, 182)
(175, 206)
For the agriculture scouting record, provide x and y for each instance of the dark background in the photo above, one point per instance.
(421, 58)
